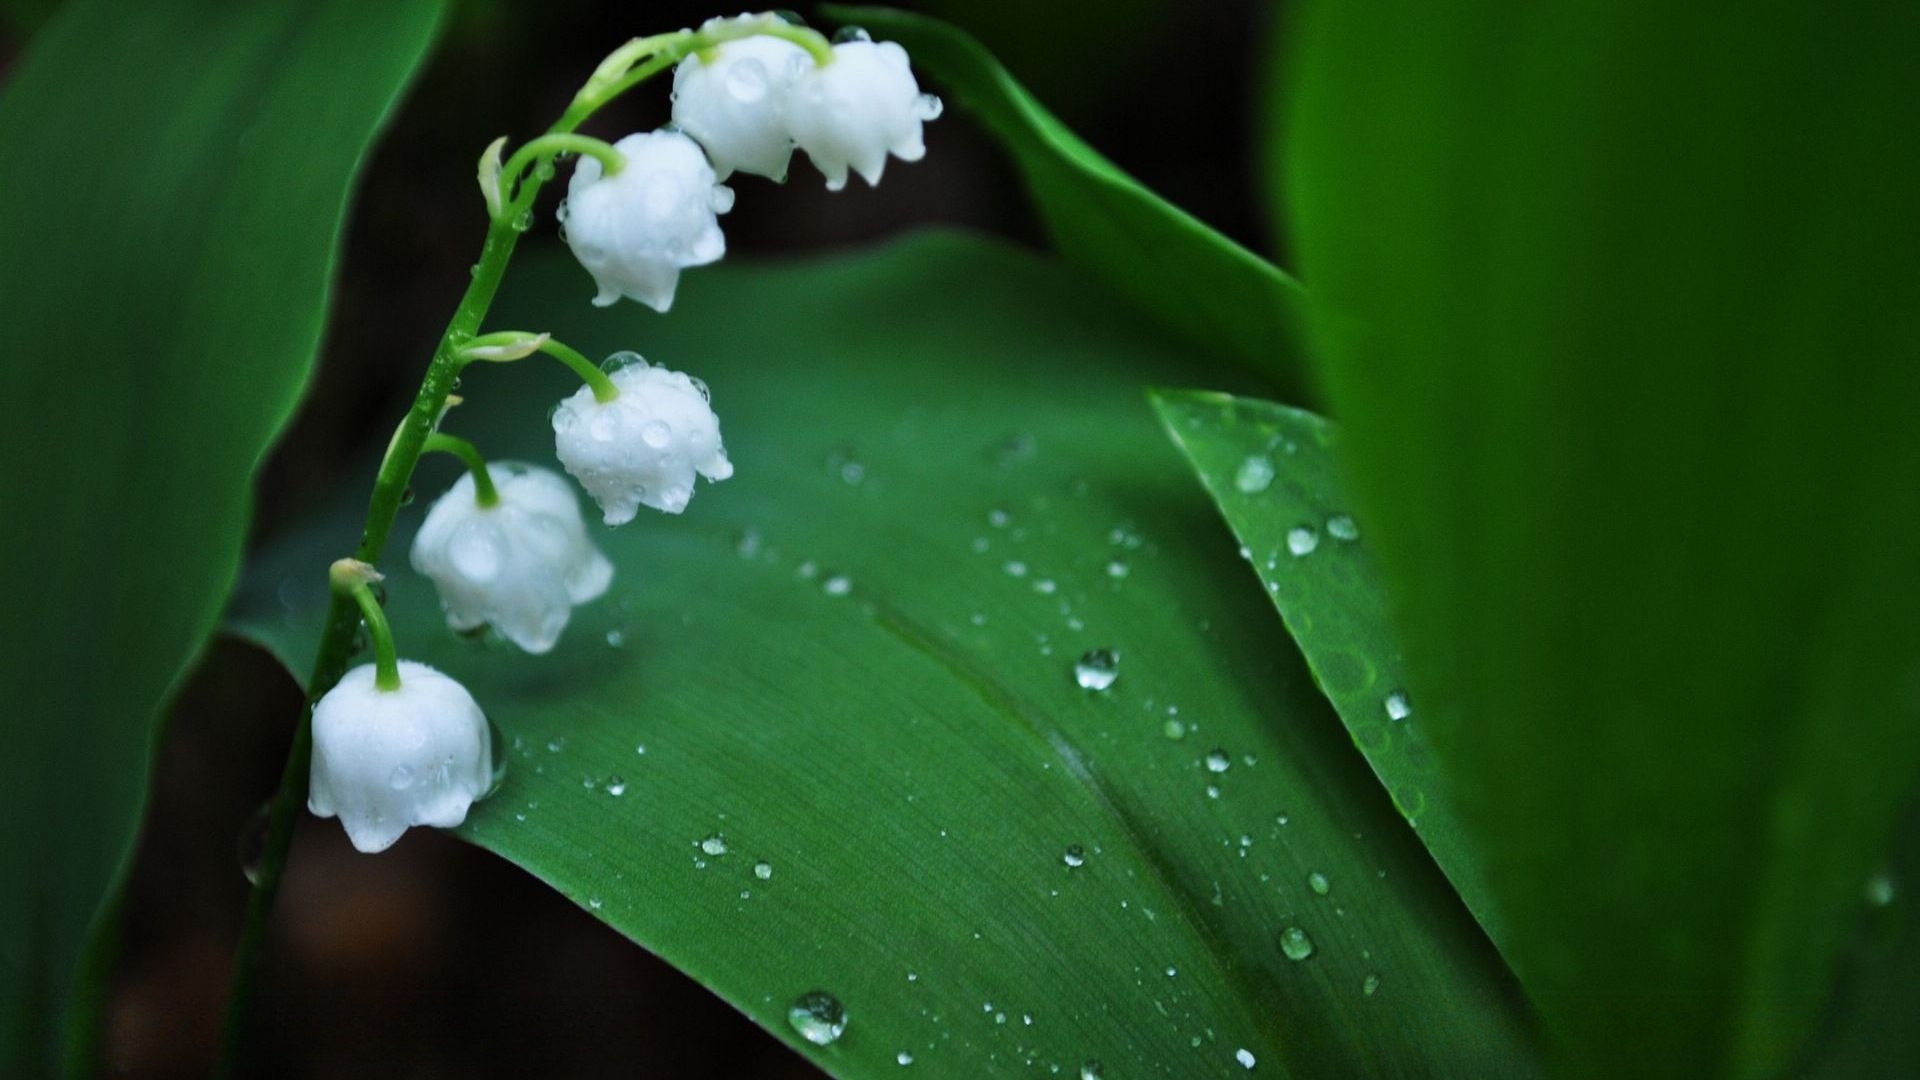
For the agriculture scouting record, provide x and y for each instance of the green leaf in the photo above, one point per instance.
(1165, 261)
(854, 661)
(1622, 304)
(1273, 473)
(175, 176)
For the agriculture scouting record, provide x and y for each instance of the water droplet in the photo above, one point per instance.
(714, 845)
(1318, 883)
(406, 495)
(1174, 730)
(1295, 944)
(1117, 569)
(837, 585)
(556, 744)
(401, 778)
(1254, 475)
(748, 544)
(1218, 761)
(523, 221)
(763, 870)
(1245, 1057)
(1074, 855)
(616, 786)
(625, 358)
(903, 1058)
(1301, 540)
(616, 637)
(818, 1017)
(1016, 569)
(1397, 707)
(252, 848)
(544, 170)
(656, 433)
(850, 33)
(1093, 1070)
(1342, 527)
(1213, 791)
(1370, 984)
(998, 518)
(1045, 586)
(1097, 669)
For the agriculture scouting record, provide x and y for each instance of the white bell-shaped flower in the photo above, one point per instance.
(733, 101)
(520, 565)
(643, 447)
(856, 110)
(386, 760)
(636, 229)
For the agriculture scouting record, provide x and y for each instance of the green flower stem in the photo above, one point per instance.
(603, 388)
(484, 493)
(506, 346)
(545, 148)
(614, 77)
(354, 580)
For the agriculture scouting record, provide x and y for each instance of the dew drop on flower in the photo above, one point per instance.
(1097, 669)
(818, 1016)
(1295, 944)
(656, 433)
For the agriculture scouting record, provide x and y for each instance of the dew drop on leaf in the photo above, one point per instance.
(818, 1016)
(1097, 669)
(1301, 540)
(1295, 944)
(1254, 475)
(1397, 706)
(1074, 855)
(1342, 527)
(763, 870)
(714, 845)
(1218, 761)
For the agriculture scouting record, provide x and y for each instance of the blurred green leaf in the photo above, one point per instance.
(853, 664)
(175, 176)
(1219, 295)
(1622, 316)
(1272, 472)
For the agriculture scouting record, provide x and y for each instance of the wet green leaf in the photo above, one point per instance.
(1273, 472)
(853, 664)
(1622, 312)
(174, 179)
(1220, 296)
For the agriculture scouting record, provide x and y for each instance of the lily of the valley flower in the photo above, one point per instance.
(644, 446)
(386, 760)
(853, 112)
(733, 100)
(636, 229)
(520, 564)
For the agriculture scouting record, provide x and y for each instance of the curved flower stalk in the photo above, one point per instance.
(391, 745)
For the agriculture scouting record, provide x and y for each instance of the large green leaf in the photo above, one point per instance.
(855, 663)
(1165, 261)
(1272, 471)
(1622, 306)
(175, 176)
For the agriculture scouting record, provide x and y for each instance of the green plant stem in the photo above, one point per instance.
(552, 144)
(507, 346)
(390, 485)
(603, 388)
(386, 662)
(484, 492)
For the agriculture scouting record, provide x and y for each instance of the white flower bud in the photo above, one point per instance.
(634, 230)
(735, 104)
(520, 565)
(386, 760)
(643, 447)
(855, 110)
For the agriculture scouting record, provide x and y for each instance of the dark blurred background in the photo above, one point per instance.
(436, 959)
